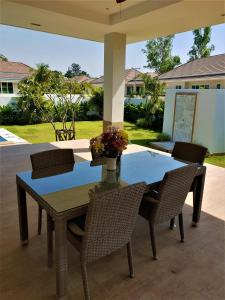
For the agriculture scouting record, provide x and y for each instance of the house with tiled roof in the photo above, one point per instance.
(133, 81)
(10, 75)
(83, 79)
(202, 73)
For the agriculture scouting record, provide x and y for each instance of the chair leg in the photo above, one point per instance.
(181, 225)
(152, 236)
(39, 219)
(85, 281)
(50, 240)
(130, 260)
(172, 222)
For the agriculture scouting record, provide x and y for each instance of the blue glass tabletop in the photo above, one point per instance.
(68, 187)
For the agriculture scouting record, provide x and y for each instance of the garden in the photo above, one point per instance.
(51, 107)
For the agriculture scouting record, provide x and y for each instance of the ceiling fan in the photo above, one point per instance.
(120, 1)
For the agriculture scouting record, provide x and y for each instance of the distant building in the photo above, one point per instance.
(83, 78)
(133, 82)
(202, 73)
(10, 75)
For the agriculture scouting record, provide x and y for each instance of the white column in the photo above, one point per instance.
(114, 81)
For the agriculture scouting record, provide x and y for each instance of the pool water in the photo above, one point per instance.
(2, 139)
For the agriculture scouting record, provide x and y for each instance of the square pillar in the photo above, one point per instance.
(114, 81)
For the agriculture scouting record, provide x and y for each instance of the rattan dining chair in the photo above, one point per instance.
(191, 153)
(167, 203)
(47, 159)
(108, 226)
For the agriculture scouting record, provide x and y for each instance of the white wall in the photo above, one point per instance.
(209, 127)
(9, 98)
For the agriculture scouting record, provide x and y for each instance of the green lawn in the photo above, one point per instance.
(42, 133)
(217, 160)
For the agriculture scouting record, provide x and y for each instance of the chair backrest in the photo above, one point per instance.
(189, 152)
(172, 193)
(51, 158)
(110, 220)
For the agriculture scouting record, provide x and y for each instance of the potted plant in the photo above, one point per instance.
(111, 145)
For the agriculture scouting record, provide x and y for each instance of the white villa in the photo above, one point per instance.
(203, 73)
(195, 102)
(10, 75)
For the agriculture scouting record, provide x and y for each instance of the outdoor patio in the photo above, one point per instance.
(193, 270)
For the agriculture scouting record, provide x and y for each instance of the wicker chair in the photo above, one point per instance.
(167, 203)
(48, 159)
(188, 152)
(108, 226)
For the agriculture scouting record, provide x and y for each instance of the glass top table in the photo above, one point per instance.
(68, 187)
(63, 192)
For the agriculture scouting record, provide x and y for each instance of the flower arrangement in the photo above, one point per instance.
(110, 143)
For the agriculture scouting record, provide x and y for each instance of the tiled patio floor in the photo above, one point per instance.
(190, 271)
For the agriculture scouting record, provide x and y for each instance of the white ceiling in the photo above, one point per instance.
(92, 19)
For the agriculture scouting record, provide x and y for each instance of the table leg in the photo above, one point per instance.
(198, 195)
(22, 209)
(61, 258)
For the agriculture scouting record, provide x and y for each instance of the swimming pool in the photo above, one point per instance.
(2, 139)
(8, 138)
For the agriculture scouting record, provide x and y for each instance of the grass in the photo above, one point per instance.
(43, 133)
(217, 160)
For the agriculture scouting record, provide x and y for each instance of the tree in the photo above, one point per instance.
(158, 54)
(153, 89)
(153, 105)
(75, 70)
(54, 97)
(200, 47)
(3, 57)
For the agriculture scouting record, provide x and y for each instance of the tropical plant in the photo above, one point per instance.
(96, 101)
(153, 105)
(200, 47)
(158, 54)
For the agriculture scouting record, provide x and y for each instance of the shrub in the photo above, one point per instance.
(163, 137)
(8, 115)
(144, 123)
(133, 112)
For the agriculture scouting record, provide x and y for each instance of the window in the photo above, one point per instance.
(138, 89)
(178, 87)
(202, 86)
(218, 86)
(128, 90)
(6, 88)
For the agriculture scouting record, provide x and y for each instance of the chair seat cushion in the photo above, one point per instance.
(76, 226)
(148, 205)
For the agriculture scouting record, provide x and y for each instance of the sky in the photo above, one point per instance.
(59, 52)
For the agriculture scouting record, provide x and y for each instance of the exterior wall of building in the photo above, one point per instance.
(9, 98)
(209, 127)
(188, 84)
